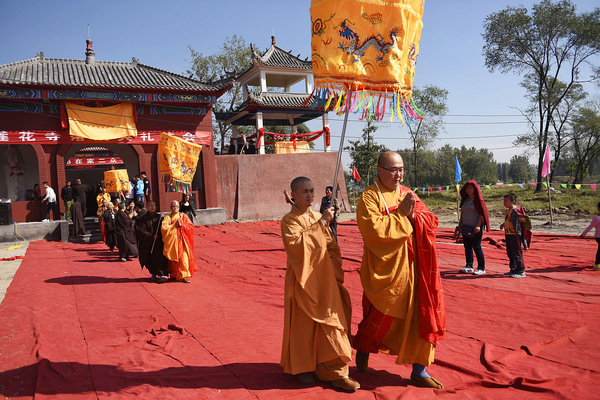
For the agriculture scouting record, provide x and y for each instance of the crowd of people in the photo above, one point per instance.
(162, 244)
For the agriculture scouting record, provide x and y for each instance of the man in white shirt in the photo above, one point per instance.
(51, 204)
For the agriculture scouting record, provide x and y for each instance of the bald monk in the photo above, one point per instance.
(317, 309)
(178, 238)
(403, 309)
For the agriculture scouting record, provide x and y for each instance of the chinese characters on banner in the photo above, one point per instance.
(144, 137)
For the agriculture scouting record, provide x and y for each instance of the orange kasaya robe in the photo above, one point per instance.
(179, 245)
(317, 308)
(403, 307)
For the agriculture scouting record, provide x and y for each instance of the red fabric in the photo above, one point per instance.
(479, 202)
(372, 329)
(432, 313)
(355, 174)
(12, 258)
(98, 328)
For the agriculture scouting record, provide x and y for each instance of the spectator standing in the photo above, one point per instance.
(79, 193)
(327, 202)
(473, 219)
(66, 193)
(595, 224)
(512, 234)
(139, 189)
(187, 207)
(51, 204)
(147, 189)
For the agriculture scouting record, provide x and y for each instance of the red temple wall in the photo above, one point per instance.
(251, 186)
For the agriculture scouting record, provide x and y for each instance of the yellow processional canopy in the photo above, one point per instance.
(364, 54)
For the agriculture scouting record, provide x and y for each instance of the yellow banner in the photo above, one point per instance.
(177, 162)
(101, 123)
(366, 45)
(116, 180)
(285, 147)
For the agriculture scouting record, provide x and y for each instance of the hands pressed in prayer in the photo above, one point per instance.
(408, 205)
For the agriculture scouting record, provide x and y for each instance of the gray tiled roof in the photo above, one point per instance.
(76, 73)
(277, 57)
(278, 99)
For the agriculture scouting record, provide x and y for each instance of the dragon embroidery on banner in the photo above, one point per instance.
(357, 49)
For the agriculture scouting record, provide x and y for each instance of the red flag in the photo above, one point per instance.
(355, 174)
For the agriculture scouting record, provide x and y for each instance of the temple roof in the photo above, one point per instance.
(40, 71)
(277, 57)
(277, 107)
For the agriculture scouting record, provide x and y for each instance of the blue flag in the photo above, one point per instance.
(457, 171)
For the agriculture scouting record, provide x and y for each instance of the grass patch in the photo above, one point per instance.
(583, 200)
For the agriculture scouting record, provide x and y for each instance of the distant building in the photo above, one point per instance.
(35, 140)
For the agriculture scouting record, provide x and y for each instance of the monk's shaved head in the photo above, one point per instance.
(297, 181)
(387, 158)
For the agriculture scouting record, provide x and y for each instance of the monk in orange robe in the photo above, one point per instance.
(178, 237)
(317, 309)
(403, 310)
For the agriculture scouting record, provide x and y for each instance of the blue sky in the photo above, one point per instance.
(158, 33)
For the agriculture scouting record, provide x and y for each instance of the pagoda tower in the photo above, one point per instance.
(267, 94)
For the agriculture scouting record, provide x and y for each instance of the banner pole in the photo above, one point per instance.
(549, 199)
(339, 158)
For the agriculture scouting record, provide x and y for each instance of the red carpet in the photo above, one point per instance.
(77, 323)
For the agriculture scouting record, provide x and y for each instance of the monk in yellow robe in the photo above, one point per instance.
(317, 309)
(178, 237)
(403, 310)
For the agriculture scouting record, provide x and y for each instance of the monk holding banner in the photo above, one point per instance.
(178, 238)
(403, 308)
(317, 309)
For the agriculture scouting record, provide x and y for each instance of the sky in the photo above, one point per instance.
(482, 106)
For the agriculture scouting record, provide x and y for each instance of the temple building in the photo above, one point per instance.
(276, 92)
(48, 104)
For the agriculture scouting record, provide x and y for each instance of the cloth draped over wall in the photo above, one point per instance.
(101, 123)
(285, 147)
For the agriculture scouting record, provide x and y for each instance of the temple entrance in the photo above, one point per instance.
(18, 172)
(88, 163)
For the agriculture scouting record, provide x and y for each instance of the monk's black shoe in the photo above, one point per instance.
(306, 377)
(362, 361)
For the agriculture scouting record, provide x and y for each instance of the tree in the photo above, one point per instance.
(478, 164)
(365, 152)
(559, 137)
(519, 169)
(586, 139)
(233, 57)
(431, 100)
(503, 172)
(550, 45)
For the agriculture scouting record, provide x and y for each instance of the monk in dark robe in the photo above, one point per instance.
(150, 244)
(77, 217)
(125, 235)
(110, 236)
(79, 193)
